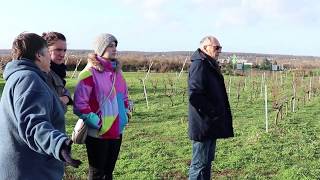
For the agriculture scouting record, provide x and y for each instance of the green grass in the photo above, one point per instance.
(156, 145)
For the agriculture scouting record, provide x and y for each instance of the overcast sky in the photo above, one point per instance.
(258, 26)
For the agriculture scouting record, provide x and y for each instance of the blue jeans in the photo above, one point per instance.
(202, 157)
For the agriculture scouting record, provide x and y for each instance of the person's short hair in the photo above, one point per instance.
(27, 45)
(52, 37)
(206, 40)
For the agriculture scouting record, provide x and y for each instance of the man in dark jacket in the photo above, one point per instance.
(33, 143)
(209, 110)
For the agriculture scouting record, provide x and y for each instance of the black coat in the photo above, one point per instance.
(209, 110)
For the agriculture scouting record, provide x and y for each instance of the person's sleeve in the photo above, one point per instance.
(82, 95)
(32, 112)
(197, 89)
(67, 93)
(125, 94)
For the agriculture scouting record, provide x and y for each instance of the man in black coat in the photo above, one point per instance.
(210, 116)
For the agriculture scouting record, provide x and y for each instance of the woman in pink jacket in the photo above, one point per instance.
(101, 99)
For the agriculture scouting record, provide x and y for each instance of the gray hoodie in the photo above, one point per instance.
(32, 125)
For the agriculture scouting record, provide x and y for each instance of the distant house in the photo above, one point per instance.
(239, 66)
(247, 65)
(276, 67)
(244, 66)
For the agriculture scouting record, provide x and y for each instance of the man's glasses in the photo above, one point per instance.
(216, 47)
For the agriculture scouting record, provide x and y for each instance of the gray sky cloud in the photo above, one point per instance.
(269, 26)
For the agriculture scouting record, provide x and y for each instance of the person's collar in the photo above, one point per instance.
(59, 69)
(205, 55)
(106, 63)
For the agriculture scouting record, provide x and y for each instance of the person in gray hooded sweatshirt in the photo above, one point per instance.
(33, 143)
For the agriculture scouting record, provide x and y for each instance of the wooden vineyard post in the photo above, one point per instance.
(76, 69)
(145, 92)
(310, 88)
(184, 63)
(266, 103)
(229, 88)
(238, 92)
(294, 94)
(245, 83)
(262, 80)
(144, 85)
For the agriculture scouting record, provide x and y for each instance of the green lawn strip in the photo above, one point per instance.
(156, 144)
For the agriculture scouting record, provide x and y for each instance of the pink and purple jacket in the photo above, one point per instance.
(91, 96)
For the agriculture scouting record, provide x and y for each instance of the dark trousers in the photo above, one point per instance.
(102, 157)
(202, 156)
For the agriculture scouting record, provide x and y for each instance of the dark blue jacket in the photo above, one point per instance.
(32, 125)
(209, 110)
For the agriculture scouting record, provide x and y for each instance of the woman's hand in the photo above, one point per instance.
(64, 99)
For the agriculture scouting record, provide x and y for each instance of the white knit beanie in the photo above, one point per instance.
(102, 42)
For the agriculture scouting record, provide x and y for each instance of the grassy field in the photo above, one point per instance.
(156, 145)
